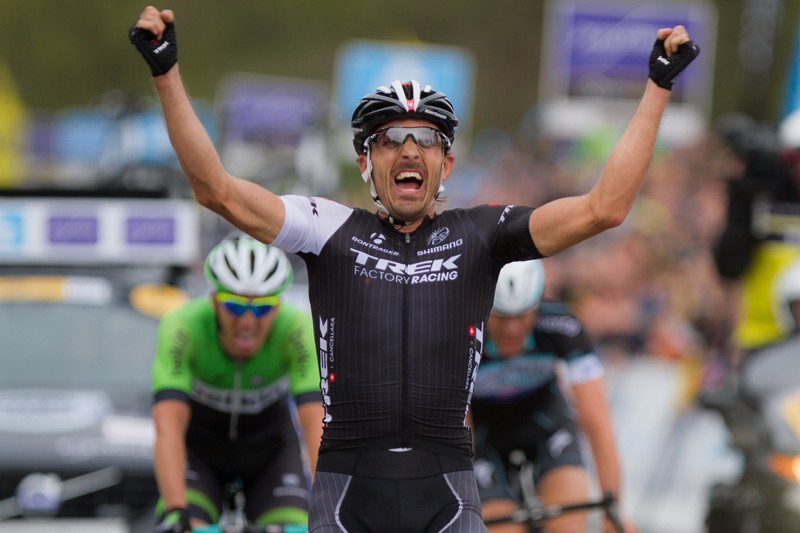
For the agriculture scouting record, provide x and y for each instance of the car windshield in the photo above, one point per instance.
(75, 346)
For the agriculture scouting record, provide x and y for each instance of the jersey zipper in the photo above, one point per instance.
(405, 410)
(236, 403)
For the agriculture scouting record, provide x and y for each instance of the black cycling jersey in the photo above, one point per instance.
(557, 337)
(518, 403)
(400, 318)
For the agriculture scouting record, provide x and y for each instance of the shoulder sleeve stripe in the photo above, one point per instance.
(309, 223)
(170, 394)
(308, 397)
(588, 367)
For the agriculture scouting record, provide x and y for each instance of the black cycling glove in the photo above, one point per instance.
(663, 69)
(160, 54)
(175, 520)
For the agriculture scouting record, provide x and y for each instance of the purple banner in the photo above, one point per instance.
(602, 49)
(258, 109)
(150, 230)
(72, 229)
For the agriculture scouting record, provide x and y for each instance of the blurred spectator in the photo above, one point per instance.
(761, 235)
(650, 286)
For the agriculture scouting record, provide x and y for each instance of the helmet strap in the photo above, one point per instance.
(441, 184)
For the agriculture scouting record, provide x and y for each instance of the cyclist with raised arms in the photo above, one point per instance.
(235, 386)
(533, 350)
(400, 295)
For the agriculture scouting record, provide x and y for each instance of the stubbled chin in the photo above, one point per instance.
(409, 195)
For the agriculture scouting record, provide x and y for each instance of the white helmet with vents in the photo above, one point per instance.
(243, 265)
(519, 287)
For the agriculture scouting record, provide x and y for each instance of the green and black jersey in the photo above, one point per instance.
(233, 401)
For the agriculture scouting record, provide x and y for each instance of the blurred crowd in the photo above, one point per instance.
(649, 286)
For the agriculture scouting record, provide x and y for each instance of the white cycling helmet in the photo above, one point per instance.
(519, 288)
(787, 290)
(243, 265)
(789, 130)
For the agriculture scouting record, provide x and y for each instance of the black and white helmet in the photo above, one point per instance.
(398, 100)
(519, 288)
(243, 265)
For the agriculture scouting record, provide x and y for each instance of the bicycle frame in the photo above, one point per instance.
(535, 514)
(233, 519)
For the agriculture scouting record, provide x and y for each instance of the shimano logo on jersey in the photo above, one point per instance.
(438, 235)
(441, 248)
(505, 213)
(373, 245)
(326, 374)
(422, 272)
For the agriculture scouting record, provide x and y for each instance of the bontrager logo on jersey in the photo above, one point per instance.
(374, 245)
(326, 373)
(422, 272)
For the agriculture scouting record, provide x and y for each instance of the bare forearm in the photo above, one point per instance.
(169, 457)
(596, 423)
(629, 161)
(249, 207)
(606, 463)
(311, 415)
(195, 151)
(567, 221)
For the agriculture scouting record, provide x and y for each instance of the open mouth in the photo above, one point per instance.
(408, 181)
(245, 341)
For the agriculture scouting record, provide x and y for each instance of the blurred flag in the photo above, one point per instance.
(13, 121)
(792, 100)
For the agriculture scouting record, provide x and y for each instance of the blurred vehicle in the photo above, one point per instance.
(82, 284)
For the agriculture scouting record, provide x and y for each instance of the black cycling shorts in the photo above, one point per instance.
(394, 492)
(549, 436)
(282, 483)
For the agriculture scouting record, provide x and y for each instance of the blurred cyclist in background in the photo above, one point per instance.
(777, 366)
(228, 373)
(519, 402)
(761, 235)
(400, 294)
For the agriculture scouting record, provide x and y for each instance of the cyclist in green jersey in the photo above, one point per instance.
(236, 394)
